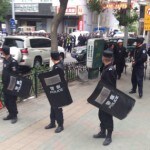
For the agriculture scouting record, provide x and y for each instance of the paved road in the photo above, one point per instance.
(81, 122)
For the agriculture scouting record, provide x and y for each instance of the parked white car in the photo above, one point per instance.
(31, 51)
(118, 34)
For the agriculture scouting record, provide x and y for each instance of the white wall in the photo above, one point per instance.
(49, 25)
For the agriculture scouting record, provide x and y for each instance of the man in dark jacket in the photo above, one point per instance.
(109, 77)
(119, 58)
(10, 66)
(139, 57)
(56, 114)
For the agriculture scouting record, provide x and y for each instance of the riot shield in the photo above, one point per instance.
(111, 100)
(55, 87)
(18, 86)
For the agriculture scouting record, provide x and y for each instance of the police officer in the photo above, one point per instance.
(119, 58)
(10, 66)
(56, 114)
(139, 57)
(109, 77)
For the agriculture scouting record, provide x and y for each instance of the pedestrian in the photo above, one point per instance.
(56, 114)
(119, 58)
(109, 77)
(139, 57)
(10, 66)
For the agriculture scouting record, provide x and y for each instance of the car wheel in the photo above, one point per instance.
(37, 62)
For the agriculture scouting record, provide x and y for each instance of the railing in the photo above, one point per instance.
(71, 73)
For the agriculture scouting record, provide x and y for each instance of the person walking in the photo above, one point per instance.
(109, 77)
(10, 66)
(56, 114)
(119, 58)
(139, 57)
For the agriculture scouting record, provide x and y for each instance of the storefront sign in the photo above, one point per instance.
(116, 5)
(32, 1)
(80, 10)
(26, 7)
(69, 11)
(147, 18)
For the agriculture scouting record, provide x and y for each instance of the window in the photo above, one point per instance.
(14, 42)
(39, 43)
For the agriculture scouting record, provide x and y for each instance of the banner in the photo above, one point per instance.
(147, 18)
(111, 100)
(55, 87)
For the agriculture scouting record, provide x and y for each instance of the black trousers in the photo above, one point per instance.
(106, 120)
(137, 79)
(119, 68)
(56, 115)
(10, 103)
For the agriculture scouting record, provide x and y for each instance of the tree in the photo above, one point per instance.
(98, 6)
(4, 7)
(55, 23)
(125, 18)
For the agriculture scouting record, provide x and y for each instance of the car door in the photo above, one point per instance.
(41, 48)
(45, 49)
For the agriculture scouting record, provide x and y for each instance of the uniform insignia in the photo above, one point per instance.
(4, 65)
(110, 68)
(144, 51)
(14, 68)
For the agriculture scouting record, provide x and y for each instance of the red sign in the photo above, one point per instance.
(69, 10)
(80, 25)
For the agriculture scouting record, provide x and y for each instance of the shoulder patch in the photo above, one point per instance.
(144, 51)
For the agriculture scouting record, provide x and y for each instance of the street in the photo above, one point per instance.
(80, 123)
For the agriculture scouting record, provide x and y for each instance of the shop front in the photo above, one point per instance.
(73, 19)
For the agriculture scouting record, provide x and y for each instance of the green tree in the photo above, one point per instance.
(4, 7)
(55, 23)
(124, 18)
(97, 6)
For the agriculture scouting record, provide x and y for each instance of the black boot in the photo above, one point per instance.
(59, 129)
(108, 139)
(50, 126)
(101, 134)
(132, 91)
(7, 117)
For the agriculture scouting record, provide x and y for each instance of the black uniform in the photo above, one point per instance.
(119, 59)
(56, 114)
(10, 66)
(140, 56)
(109, 76)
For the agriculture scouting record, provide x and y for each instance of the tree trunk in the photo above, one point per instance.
(55, 23)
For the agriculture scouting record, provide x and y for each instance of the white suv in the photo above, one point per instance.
(31, 51)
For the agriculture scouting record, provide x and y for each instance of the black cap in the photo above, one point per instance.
(108, 54)
(6, 50)
(140, 40)
(55, 55)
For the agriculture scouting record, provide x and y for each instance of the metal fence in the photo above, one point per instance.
(71, 74)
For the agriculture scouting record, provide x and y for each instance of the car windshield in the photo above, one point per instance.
(14, 43)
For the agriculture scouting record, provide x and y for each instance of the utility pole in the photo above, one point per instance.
(13, 10)
(126, 27)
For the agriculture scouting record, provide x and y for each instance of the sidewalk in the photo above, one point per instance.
(80, 123)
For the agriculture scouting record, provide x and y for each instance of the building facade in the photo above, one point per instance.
(39, 13)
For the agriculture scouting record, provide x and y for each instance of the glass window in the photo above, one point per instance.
(14, 42)
(39, 43)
